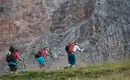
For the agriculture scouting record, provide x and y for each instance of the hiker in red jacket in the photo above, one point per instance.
(17, 56)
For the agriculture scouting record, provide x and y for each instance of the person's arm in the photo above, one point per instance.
(79, 49)
(19, 58)
(47, 52)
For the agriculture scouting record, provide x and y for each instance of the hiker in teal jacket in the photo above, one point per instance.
(40, 57)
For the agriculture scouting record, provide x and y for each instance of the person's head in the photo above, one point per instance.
(16, 50)
(47, 49)
(11, 49)
(40, 49)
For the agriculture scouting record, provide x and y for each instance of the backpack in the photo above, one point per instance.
(10, 58)
(69, 47)
(37, 55)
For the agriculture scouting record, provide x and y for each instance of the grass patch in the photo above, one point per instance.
(107, 71)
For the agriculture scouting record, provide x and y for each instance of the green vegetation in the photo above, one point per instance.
(108, 71)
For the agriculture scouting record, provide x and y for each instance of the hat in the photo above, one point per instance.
(76, 42)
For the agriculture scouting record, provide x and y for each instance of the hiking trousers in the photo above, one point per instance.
(13, 66)
(72, 58)
(41, 60)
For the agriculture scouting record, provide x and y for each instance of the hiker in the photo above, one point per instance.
(71, 49)
(40, 57)
(11, 59)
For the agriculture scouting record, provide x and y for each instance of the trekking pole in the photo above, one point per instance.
(24, 64)
(23, 67)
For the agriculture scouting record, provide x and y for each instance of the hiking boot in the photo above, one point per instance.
(73, 66)
(68, 65)
(11, 72)
(16, 72)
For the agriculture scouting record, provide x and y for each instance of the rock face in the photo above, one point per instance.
(111, 30)
(102, 27)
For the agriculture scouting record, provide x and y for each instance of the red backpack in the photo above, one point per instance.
(69, 48)
(40, 53)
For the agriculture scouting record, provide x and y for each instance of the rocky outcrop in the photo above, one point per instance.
(104, 32)
(110, 31)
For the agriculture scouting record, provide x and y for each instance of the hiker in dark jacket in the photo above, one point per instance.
(11, 58)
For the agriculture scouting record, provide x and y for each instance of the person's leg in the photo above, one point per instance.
(69, 60)
(10, 66)
(13, 68)
(41, 66)
(18, 64)
(41, 62)
(73, 60)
